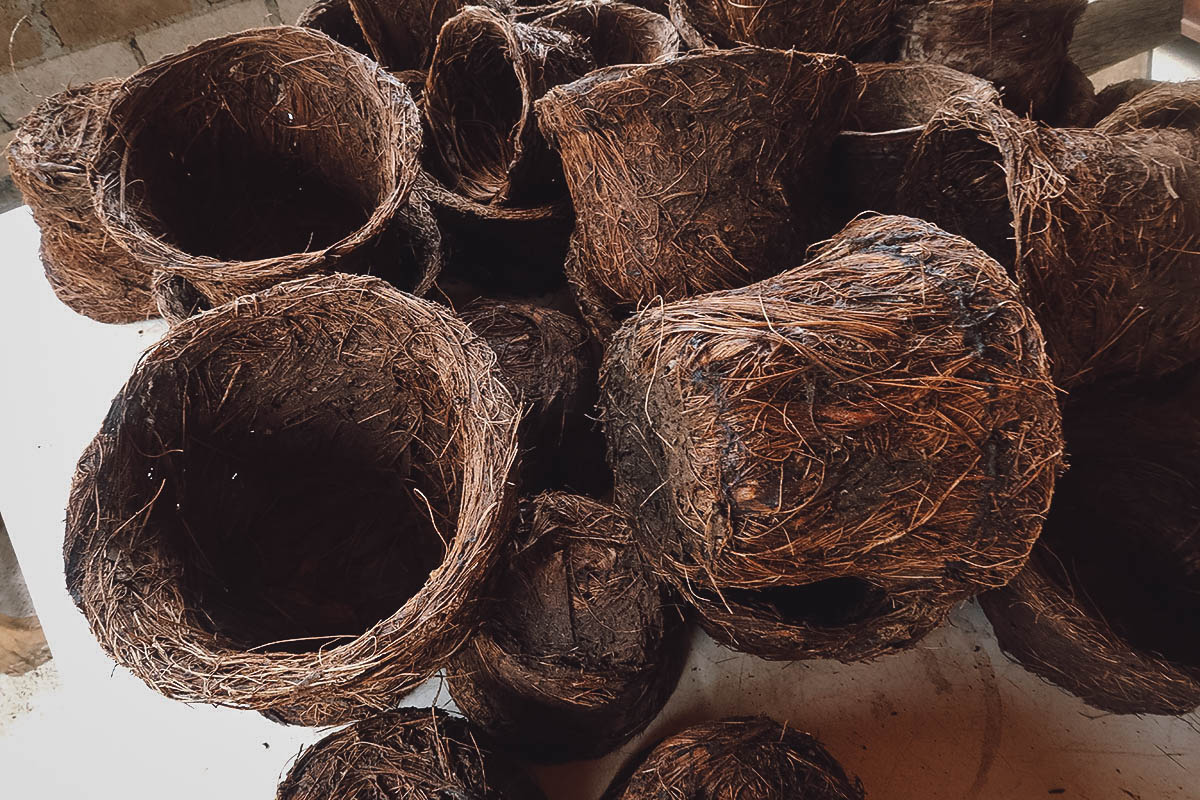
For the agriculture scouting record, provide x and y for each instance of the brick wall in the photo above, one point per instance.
(46, 45)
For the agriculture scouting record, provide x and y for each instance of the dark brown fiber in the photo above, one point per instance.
(335, 19)
(849, 27)
(487, 72)
(894, 103)
(739, 757)
(49, 157)
(1099, 226)
(882, 413)
(695, 174)
(295, 501)
(552, 368)
(615, 33)
(259, 157)
(1108, 605)
(418, 753)
(1020, 45)
(580, 649)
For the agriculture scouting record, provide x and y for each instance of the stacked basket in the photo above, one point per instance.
(505, 338)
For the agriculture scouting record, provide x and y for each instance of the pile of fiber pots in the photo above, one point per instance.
(513, 343)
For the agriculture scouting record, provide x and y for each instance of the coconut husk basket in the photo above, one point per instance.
(882, 413)
(581, 649)
(279, 154)
(487, 71)
(695, 174)
(411, 245)
(1019, 45)
(410, 753)
(615, 33)
(504, 250)
(1107, 606)
(335, 19)
(549, 363)
(849, 27)
(848, 619)
(402, 36)
(735, 757)
(1099, 226)
(894, 103)
(49, 155)
(295, 501)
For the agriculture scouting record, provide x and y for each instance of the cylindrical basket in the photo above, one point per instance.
(296, 500)
(49, 158)
(258, 157)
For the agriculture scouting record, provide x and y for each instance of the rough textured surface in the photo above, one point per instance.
(322, 142)
(1100, 227)
(894, 103)
(882, 414)
(295, 501)
(402, 36)
(693, 175)
(487, 72)
(850, 27)
(740, 757)
(504, 250)
(1107, 606)
(1020, 45)
(552, 367)
(335, 19)
(49, 158)
(410, 753)
(615, 33)
(579, 650)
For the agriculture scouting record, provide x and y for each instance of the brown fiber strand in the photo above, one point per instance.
(1100, 226)
(549, 363)
(1020, 45)
(49, 157)
(615, 33)
(735, 758)
(893, 105)
(260, 157)
(695, 174)
(412, 753)
(335, 19)
(1107, 606)
(487, 72)
(848, 27)
(882, 413)
(579, 650)
(296, 500)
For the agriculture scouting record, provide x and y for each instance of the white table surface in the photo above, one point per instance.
(952, 719)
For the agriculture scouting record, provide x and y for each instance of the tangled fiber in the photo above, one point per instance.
(335, 19)
(695, 174)
(615, 33)
(849, 27)
(1019, 45)
(1100, 226)
(739, 757)
(881, 413)
(849, 619)
(48, 157)
(402, 35)
(408, 753)
(1117, 94)
(894, 103)
(551, 366)
(579, 650)
(487, 71)
(258, 157)
(412, 244)
(505, 250)
(1074, 104)
(295, 501)
(1107, 606)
